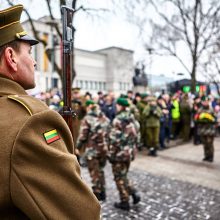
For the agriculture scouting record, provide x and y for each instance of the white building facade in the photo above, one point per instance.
(109, 69)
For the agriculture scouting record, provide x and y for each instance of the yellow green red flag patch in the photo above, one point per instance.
(51, 136)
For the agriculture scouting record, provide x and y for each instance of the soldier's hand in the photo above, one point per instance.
(77, 152)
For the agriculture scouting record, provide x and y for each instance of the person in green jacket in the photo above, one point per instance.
(151, 115)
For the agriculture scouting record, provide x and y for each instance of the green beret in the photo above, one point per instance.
(144, 95)
(10, 26)
(89, 102)
(205, 98)
(122, 102)
(123, 96)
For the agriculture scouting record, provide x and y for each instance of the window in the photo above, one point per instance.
(120, 86)
(100, 86)
(80, 83)
(90, 85)
(54, 83)
(86, 84)
(96, 86)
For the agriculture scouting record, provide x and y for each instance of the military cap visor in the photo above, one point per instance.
(10, 26)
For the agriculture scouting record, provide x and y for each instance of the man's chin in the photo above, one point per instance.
(27, 87)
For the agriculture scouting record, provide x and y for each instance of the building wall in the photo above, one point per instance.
(109, 69)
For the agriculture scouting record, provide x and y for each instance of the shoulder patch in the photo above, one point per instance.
(51, 136)
(31, 104)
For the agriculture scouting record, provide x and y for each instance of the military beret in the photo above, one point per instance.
(89, 102)
(204, 98)
(123, 96)
(10, 26)
(144, 95)
(76, 89)
(151, 98)
(122, 102)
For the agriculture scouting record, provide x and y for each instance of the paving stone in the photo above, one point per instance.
(161, 198)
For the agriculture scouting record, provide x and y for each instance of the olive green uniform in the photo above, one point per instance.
(152, 116)
(40, 177)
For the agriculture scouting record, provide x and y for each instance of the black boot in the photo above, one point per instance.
(136, 198)
(100, 196)
(122, 205)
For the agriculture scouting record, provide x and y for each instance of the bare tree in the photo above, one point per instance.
(92, 12)
(211, 69)
(178, 26)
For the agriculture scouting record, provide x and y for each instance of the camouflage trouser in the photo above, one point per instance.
(96, 171)
(153, 137)
(120, 170)
(207, 142)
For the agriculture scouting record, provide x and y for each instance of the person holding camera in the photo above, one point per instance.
(151, 116)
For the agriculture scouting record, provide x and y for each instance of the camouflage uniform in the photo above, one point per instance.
(206, 130)
(122, 150)
(93, 136)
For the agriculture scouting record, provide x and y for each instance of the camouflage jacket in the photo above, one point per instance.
(123, 137)
(206, 121)
(93, 134)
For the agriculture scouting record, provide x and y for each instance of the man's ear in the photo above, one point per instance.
(11, 58)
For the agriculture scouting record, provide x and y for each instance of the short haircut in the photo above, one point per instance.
(13, 44)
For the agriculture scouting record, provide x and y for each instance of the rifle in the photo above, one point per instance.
(67, 13)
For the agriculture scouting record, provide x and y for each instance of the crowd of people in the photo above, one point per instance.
(40, 175)
(115, 128)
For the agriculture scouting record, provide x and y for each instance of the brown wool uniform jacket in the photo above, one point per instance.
(38, 180)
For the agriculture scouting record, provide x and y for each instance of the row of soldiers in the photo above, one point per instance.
(100, 140)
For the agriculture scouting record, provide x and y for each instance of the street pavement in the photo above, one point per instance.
(175, 185)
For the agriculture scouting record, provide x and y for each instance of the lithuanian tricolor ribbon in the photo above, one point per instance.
(51, 136)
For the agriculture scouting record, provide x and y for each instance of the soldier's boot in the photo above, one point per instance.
(210, 159)
(150, 153)
(101, 196)
(136, 198)
(122, 205)
(153, 152)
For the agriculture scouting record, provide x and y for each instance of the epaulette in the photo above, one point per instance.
(31, 104)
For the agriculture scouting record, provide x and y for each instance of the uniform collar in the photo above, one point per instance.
(10, 87)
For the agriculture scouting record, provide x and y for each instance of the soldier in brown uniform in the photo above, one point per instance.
(40, 177)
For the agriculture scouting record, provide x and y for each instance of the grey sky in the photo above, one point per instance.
(93, 34)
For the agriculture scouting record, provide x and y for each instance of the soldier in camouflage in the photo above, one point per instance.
(93, 136)
(122, 148)
(206, 121)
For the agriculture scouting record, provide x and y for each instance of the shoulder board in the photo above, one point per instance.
(31, 104)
